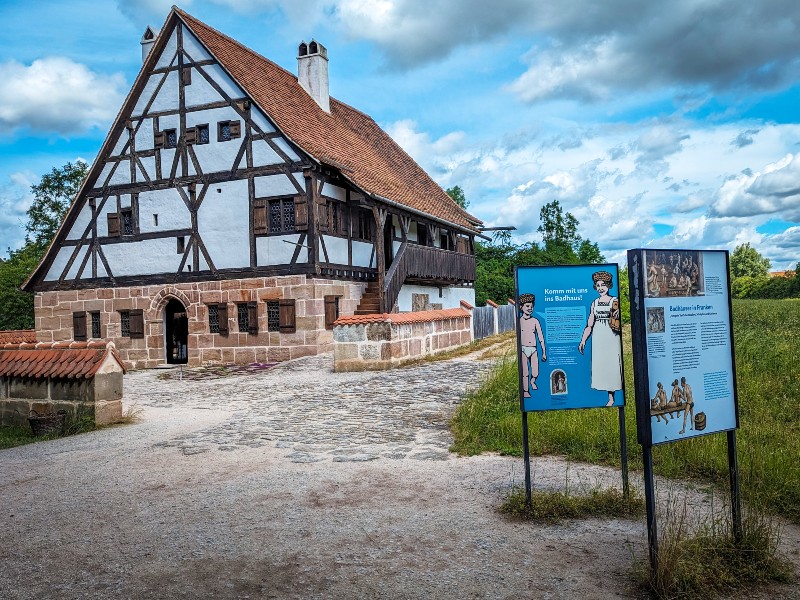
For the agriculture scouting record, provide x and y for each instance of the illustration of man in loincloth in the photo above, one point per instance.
(529, 331)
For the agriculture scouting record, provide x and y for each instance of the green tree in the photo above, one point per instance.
(16, 306)
(52, 197)
(457, 194)
(746, 261)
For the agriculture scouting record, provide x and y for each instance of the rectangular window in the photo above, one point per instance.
(331, 310)
(273, 316)
(125, 323)
(181, 245)
(79, 326)
(202, 134)
(96, 325)
(228, 130)
(170, 138)
(281, 215)
(242, 317)
(213, 318)
(126, 221)
(136, 325)
(422, 234)
(363, 230)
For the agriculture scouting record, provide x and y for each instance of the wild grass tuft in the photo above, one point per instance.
(555, 506)
(710, 561)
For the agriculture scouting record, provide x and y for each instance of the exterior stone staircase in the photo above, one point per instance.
(371, 300)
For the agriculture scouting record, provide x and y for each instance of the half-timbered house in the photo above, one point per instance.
(235, 210)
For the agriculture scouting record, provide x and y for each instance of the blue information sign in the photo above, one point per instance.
(569, 337)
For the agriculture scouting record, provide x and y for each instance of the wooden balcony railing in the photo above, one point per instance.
(424, 262)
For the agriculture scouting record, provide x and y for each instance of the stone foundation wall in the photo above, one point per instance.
(375, 342)
(54, 318)
(99, 398)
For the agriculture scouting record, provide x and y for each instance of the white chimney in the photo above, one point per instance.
(312, 72)
(147, 41)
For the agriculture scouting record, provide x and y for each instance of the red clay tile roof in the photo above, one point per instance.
(346, 138)
(423, 316)
(466, 305)
(17, 336)
(62, 360)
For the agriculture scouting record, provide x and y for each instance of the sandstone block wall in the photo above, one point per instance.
(54, 318)
(375, 342)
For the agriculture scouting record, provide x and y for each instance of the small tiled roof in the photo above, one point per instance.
(17, 336)
(422, 316)
(346, 138)
(62, 360)
(466, 305)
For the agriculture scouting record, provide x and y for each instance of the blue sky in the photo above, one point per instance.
(656, 124)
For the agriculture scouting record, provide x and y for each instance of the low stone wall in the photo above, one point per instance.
(85, 379)
(383, 341)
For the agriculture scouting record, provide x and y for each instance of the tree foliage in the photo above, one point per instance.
(746, 261)
(495, 261)
(52, 197)
(457, 194)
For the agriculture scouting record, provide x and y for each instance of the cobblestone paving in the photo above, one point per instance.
(316, 414)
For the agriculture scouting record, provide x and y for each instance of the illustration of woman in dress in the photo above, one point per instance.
(606, 344)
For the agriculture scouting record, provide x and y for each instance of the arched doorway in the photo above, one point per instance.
(176, 328)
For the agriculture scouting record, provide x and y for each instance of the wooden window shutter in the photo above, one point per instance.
(323, 216)
(79, 326)
(300, 213)
(113, 225)
(222, 317)
(287, 316)
(260, 222)
(330, 311)
(236, 129)
(187, 76)
(252, 317)
(158, 139)
(137, 324)
(461, 245)
(191, 135)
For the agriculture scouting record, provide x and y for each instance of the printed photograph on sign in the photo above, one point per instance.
(569, 337)
(689, 346)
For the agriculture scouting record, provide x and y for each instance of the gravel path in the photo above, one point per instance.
(295, 482)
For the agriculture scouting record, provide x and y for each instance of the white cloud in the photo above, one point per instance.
(776, 189)
(55, 94)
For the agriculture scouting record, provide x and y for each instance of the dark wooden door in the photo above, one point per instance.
(177, 333)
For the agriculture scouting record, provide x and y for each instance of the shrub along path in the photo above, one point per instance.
(295, 482)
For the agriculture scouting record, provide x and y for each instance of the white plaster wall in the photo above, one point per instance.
(147, 92)
(168, 205)
(168, 54)
(145, 257)
(59, 263)
(193, 47)
(167, 98)
(224, 224)
(76, 265)
(144, 137)
(221, 78)
(362, 252)
(124, 200)
(81, 221)
(122, 174)
(122, 139)
(337, 249)
(167, 156)
(451, 296)
(261, 121)
(149, 164)
(200, 90)
(102, 220)
(102, 178)
(215, 156)
(284, 145)
(263, 154)
(275, 185)
(278, 249)
(334, 191)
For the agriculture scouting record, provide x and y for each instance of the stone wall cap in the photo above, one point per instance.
(491, 303)
(60, 360)
(467, 305)
(423, 316)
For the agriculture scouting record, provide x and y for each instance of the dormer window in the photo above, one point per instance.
(166, 139)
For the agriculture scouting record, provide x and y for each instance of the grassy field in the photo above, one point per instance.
(767, 358)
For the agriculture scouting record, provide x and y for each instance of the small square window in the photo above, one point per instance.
(170, 138)
(96, 325)
(126, 218)
(202, 134)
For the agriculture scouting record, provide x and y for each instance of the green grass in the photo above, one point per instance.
(554, 506)
(767, 357)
